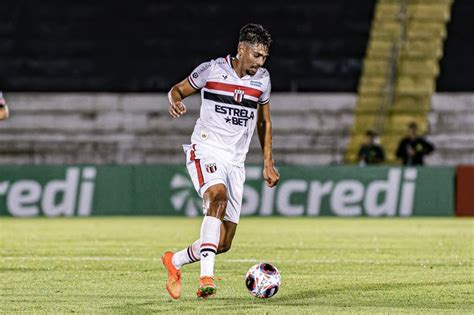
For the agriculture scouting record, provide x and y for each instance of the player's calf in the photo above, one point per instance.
(223, 248)
(227, 236)
(215, 203)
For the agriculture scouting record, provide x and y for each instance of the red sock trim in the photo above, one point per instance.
(208, 245)
(192, 253)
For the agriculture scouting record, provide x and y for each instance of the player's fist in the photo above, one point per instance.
(271, 175)
(177, 109)
(3, 109)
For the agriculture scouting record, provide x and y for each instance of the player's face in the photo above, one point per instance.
(252, 57)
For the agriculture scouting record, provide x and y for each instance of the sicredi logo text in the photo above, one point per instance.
(70, 196)
(348, 197)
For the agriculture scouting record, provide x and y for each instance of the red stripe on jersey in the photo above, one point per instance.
(231, 88)
(208, 244)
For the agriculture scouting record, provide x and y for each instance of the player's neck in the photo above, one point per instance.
(237, 66)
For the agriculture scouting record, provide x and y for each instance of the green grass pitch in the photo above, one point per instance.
(328, 265)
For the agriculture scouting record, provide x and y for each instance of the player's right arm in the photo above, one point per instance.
(177, 93)
(195, 81)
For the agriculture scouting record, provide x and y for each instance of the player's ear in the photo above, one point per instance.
(240, 49)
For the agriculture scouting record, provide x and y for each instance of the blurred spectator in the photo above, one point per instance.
(413, 148)
(3, 107)
(371, 152)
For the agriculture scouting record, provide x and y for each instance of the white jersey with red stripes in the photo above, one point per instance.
(228, 110)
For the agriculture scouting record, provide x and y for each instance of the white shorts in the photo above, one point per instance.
(206, 171)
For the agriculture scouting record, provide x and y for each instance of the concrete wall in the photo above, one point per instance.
(136, 128)
(58, 128)
(452, 128)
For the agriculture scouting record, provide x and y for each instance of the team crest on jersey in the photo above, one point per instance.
(239, 95)
(211, 167)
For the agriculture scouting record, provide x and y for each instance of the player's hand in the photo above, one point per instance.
(177, 109)
(271, 175)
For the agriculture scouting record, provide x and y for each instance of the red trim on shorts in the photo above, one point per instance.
(197, 163)
(200, 177)
(219, 86)
(209, 244)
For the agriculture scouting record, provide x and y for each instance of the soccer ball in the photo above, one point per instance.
(263, 280)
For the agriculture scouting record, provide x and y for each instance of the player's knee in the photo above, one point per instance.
(216, 196)
(216, 193)
(215, 201)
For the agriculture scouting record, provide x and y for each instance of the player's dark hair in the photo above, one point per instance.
(255, 34)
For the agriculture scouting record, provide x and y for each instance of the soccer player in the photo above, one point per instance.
(3, 108)
(235, 94)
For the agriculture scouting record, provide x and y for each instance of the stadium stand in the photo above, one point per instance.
(400, 70)
(452, 118)
(452, 129)
(82, 49)
(136, 128)
(457, 66)
(129, 46)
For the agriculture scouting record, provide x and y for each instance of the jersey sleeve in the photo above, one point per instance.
(199, 76)
(265, 97)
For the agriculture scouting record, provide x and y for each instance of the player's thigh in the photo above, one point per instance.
(205, 172)
(235, 191)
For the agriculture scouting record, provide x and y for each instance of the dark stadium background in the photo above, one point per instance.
(128, 46)
(89, 134)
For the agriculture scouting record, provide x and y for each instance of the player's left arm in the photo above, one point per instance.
(264, 128)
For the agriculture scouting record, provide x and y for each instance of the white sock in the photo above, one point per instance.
(210, 233)
(188, 255)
